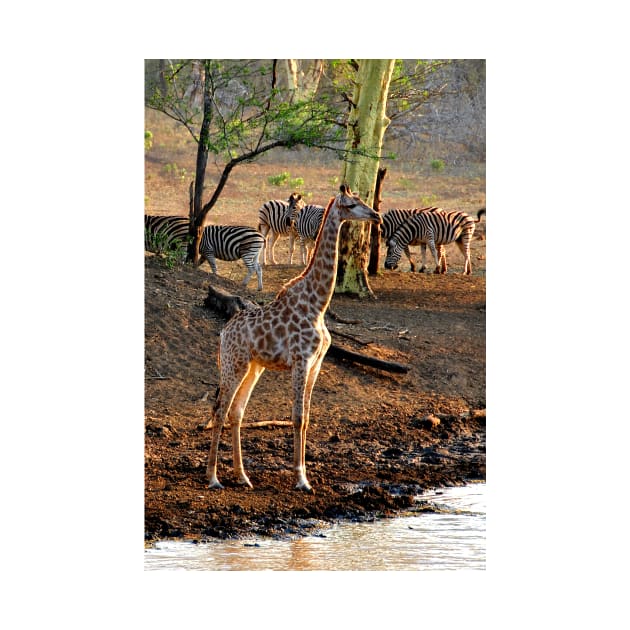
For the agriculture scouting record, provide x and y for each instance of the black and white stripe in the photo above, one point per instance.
(275, 219)
(231, 242)
(434, 228)
(164, 233)
(307, 225)
(393, 218)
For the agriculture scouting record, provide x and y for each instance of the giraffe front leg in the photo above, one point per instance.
(239, 470)
(237, 411)
(211, 470)
(300, 424)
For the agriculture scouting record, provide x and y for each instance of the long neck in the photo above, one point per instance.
(318, 279)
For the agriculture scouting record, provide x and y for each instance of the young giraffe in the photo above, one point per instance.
(289, 333)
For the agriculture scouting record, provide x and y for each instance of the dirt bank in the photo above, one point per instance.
(375, 438)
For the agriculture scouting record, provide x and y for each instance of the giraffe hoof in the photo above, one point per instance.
(305, 487)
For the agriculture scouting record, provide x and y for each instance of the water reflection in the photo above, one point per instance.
(451, 539)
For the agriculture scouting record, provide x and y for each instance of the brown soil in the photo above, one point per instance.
(375, 439)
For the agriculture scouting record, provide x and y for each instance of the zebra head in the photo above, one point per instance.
(394, 251)
(296, 203)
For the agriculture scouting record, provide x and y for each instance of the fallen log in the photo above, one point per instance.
(225, 303)
(228, 304)
(389, 366)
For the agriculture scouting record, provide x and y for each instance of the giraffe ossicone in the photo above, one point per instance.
(288, 333)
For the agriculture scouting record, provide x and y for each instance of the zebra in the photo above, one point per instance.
(434, 228)
(275, 218)
(307, 225)
(393, 218)
(164, 233)
(231, 242)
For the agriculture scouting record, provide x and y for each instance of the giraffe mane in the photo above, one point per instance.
(290, 283)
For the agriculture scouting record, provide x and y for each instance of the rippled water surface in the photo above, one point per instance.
(455, 538)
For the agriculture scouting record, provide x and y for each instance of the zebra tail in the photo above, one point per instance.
(479, 213)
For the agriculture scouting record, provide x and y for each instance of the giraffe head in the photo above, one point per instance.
(351, 207)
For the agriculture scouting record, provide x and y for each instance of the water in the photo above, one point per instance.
(453, 539)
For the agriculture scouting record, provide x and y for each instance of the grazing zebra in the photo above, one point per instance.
(275, 218)
(163, 233)
(307, 225)
(231, 242)
(434, 228)
(393, 218)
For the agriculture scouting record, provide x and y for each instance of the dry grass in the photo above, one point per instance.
(170, 166)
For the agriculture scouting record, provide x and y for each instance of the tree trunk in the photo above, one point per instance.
(375, 230)
(303, 77)
(200, 174)
(366, 127)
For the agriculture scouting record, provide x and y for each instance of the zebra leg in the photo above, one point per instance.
(442, 256)
(208, 254)
(272, 245)
(408, 254)
(211, 261)
(423, 251)
(464, 248)
(431, 243)
(291, 246)
(251, 269)
(264, 230)
(303, 251)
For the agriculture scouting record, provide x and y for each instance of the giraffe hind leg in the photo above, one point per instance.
(235, 415)
(232, 377)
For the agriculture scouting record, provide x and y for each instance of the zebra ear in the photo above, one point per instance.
(344, 189)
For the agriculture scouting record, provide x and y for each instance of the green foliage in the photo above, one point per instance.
(437, 165)
(175, 171)
(173, 258)
(148, 140)
(285, 178)
(247, 113)
(279, 180)
(173, 250)
(428, 200)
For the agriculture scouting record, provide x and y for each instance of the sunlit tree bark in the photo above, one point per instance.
(366, 127)
(303, 77)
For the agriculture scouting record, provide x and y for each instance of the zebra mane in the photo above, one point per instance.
(290, 283)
